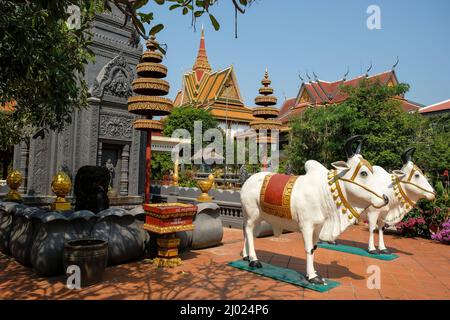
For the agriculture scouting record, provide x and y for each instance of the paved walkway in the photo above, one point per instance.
(421, 272)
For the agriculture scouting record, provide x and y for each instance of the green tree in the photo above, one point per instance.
(161, 165)
(433, 148)
(42, 60)
(370, 110)
(42, 64)
(181, 118)
(184, 118)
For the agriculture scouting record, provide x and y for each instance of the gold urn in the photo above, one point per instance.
(61, 186)
(205, 186)
(14, 180)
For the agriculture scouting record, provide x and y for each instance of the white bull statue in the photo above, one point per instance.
(404, 188)
(322, 200)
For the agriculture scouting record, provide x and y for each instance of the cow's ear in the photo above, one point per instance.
(340, 165)
(399, 173)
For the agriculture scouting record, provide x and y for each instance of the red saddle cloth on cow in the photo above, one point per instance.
(275, 195)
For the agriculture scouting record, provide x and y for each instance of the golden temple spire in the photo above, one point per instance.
(266, 98)
(265, 109)
(201, 63)
(149, 87)
(266, 115)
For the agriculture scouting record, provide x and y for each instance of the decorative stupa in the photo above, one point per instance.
(266, 112)
(149, 88)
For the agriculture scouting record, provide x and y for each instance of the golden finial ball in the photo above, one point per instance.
(14, 179)
(61, 184)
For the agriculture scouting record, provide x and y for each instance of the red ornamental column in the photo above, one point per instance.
(148, 166)
(148, 102)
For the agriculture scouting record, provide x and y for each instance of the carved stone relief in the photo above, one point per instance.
(116, 126)
(114, 79)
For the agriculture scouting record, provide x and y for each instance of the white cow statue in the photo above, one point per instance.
(404, 188)
(321, 200)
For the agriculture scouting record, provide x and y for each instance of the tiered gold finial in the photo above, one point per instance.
(61, 186)
(14, 180)
(149, 88)
(266, 99)
(265, 111)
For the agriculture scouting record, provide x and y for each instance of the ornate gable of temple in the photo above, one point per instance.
(213, 86)
(204, 87)
(305, 97)
(230, 89)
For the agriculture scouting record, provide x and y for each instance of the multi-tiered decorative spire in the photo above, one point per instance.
(201, 64)
(150, 87)
(266, 111)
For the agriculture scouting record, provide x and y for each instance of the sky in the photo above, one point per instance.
(325, 36)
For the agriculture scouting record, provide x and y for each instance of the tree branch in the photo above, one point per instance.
(236, 5)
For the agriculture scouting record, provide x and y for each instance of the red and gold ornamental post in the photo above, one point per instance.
(163, 219)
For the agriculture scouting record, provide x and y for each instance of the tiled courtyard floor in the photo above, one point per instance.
(421, 272)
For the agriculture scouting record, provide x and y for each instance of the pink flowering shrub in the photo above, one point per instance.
(423, 220)
(443, 234)
(414, 224)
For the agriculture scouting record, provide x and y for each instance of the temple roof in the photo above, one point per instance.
(322, 92)
(287, 105)
(319, 92)
(216, 91)
(218, 85)
(440, 106)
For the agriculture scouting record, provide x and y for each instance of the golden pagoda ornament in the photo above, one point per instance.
(266, 112)
(14, 180)
(61, 186)
(149, 88)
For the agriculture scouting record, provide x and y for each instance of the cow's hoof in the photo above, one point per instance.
(317, 280)
(255, 264)
(385, 251)
(376, 252)
(246, 258)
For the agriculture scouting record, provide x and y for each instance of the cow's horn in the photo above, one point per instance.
(407, 155)
(348, 145)
(358, 148)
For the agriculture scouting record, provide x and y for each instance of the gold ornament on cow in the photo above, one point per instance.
(340, 199)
